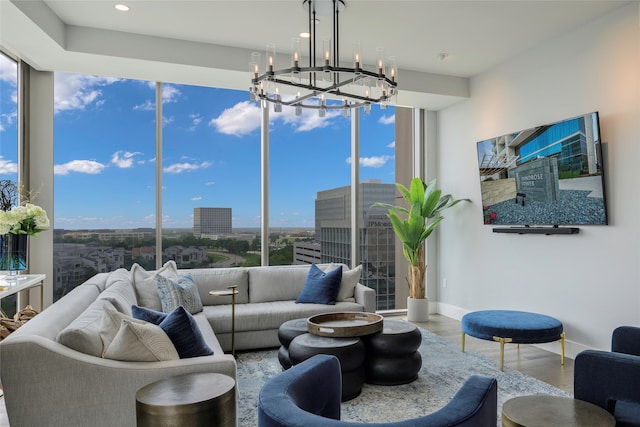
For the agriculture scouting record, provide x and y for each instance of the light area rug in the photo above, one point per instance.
(444, 369)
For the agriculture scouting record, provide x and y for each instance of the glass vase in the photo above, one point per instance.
(14, 249)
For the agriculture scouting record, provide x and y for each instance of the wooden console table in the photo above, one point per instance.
(10, 286)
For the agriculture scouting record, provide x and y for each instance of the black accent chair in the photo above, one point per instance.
(308, 394)
(611, 380)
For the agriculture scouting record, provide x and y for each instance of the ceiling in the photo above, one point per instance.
(209, 42)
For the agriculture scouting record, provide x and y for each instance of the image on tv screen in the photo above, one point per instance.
(547, 175)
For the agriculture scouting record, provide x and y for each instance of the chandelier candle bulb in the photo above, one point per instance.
(271, 54)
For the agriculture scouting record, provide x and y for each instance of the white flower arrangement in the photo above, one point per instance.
(28, 219)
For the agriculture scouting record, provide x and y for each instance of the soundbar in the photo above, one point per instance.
(538, 230)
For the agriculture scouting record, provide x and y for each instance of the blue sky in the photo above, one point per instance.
(105, 159)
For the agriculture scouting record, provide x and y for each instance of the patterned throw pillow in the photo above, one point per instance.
(181, 291)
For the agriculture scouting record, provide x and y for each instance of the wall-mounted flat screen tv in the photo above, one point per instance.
(547, 175)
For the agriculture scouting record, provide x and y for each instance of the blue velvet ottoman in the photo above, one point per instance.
(517, 327)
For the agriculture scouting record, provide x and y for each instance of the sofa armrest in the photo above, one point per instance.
(71, 388)
(626, 339)
(603, 377)
(366, 297)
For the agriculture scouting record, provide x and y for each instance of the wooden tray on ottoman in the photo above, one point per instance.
(344, 324)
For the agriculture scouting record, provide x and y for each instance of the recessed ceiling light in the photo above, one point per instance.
(122, 7)
(305, 35)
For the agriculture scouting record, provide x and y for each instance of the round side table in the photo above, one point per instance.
(201, 399)
(542, 411)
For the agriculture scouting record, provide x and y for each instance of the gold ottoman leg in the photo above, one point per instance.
(463, 341)
(562, 348)
(502, 341)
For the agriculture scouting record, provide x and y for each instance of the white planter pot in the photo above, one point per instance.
(417, 309)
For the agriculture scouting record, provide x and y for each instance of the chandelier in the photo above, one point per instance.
(325, 84)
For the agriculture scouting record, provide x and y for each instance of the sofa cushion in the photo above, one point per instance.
(281, 283)
(119, 290)
(268, 315)
(321, 287)
(140, 342)
(83, 334)
(210, 279)
(144, 283)
(180, 291)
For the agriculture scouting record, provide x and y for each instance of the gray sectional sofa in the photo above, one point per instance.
(52, 370)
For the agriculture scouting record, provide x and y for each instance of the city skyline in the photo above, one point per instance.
(104, 153)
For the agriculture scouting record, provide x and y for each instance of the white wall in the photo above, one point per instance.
(590, 281)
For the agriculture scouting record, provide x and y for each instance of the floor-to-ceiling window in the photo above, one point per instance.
(8, 144)
(210, 177)
(104, 166)
(309, 155)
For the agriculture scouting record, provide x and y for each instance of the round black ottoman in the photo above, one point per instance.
(349, 351)
(286, 333)
(392, 355)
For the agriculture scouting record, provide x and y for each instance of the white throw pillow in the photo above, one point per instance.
(111, 321)
(144, 283)
(141, 342)
(350, 279)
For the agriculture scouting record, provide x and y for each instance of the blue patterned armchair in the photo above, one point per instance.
(611, 380)
(308, 394)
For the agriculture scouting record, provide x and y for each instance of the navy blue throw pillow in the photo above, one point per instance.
(180, 327)
(148, 315)
(321, 287)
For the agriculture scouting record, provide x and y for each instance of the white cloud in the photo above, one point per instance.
(195, 199)
(209, 183)
(123, 159)
(7, 167)
(239, 120)
(81, 166)
(372, 162)
(185, 167)
(392, 145)
(77, 91)
(167, 120)
(245, 117)
(147, 105)
(170, 93)
(387, 120)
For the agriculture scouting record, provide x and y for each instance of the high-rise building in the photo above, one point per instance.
(209, 222)
(377, 239)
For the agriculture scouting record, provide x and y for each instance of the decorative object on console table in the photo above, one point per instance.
(423, 210)
(17, 223)
(14, 252)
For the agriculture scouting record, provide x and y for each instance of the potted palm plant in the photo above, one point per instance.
(422, 213)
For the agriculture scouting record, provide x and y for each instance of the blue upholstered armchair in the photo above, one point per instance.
(611, 380)
(308, 394)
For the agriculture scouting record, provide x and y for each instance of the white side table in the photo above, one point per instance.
(9, 287)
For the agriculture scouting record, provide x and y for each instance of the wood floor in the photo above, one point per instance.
(529, 360)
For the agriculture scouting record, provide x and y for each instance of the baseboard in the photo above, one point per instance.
(571, 348)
